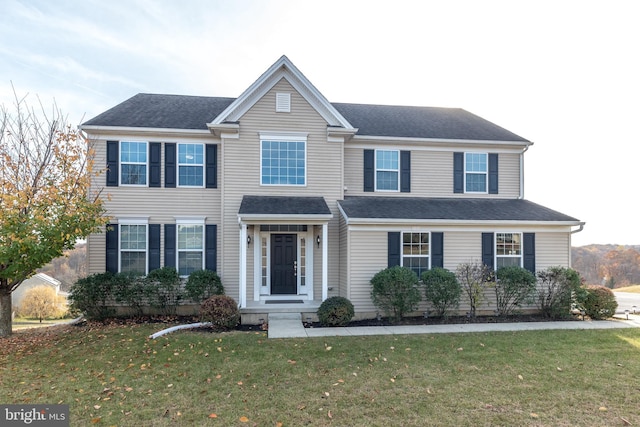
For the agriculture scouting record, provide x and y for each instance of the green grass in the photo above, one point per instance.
(634, 288)
(115, 375)
(26, 323)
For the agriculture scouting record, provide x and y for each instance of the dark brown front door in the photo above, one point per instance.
(283, 264)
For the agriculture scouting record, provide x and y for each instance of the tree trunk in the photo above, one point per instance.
(5, 311)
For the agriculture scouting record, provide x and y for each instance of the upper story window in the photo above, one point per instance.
(283, 159)
(508, 249)
(133, 163)
(190, 165)
(415, 251)
(387, 170)
(476, 171)
(133, 248)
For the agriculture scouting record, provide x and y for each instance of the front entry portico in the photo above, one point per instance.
(283, 250)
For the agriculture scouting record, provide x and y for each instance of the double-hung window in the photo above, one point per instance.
(190, 247)
(190, 165)
(508, 249)
(133, 247)
(476, 172)
(387, 170)
(133, 163)
(415, 251)
(283, 159)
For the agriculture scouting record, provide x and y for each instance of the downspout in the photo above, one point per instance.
(580, 228)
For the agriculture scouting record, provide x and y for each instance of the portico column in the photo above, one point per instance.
(243, 265)
(325, 262)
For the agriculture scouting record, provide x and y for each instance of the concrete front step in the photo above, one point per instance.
(286, 325)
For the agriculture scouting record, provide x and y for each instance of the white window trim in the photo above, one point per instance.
(375, 168)
(285, 137)
(120, 163)
(495, 248)
(202, 165)
(402, 255)
(486, 173)
(134, 221)
(186, 220)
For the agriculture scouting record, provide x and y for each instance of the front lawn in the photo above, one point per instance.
(115, 375)
(633, 288)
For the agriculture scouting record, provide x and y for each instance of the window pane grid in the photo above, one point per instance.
(508, 249)
(190, 248)
(415, 251)
(387, 170)
(476, 172)
(133, 248)
(133, 160)
(283, 163)
(191, 165)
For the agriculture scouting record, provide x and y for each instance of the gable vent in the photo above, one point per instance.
(283, 102)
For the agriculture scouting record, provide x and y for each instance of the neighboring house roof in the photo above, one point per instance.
(283, 205)
(452, 209)
(194, 112)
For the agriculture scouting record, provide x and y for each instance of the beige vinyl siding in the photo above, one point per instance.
(367, 256)
(241, 176)
(345, 261)
(461, 247)
(552, 249)
(431, 172)
(160, 205)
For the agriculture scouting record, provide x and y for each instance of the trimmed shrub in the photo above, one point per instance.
(222, 311)
(164, 289)
(336, 311)
(202, 284)
(513, 287)
(599, 302)
(132, 291)
(93, 295)
(474, 278)
(558, 289)
(395, 291)
(441, 289)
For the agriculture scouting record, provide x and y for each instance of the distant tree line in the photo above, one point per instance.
(68, 268)
(609, 265)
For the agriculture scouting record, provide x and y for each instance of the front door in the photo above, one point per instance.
(284, 267)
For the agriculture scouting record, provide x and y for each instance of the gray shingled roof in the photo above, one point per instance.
(458, 209)
(194, 112)
(283, 205)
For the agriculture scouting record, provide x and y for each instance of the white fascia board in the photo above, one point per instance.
(444, 222)
(270, 218)
(282, 68)
(435, 141)
(47, 278)
(98, 131)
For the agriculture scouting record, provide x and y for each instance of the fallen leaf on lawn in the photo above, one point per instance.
(218, 376)
(429, 391)
(534, 415)
(212, 415)
(169, 385)
(328, 348)
(393, 380)
(301, 407)
(459, 349)
(520, 377)
(95, 420)
(326, 393)
(625, 422)
(602, 408)
(244, 419)
(481, 345)
(96, 406)
(279, 424)
(239, 382)
(559, 369)
(329, 415)
(220, 349)
(128, 389)
(291, 362)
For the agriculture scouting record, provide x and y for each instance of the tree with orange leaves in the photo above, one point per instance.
(46, 204)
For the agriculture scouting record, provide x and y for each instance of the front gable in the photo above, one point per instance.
(282, 69)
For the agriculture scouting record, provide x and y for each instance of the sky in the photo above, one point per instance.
(562, 74)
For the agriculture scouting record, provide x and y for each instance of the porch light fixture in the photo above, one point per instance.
(318, 240)
(248, 240)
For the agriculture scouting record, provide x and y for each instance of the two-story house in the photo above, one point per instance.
(292, 198)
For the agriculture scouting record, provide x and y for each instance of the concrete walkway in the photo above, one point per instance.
(289, 325)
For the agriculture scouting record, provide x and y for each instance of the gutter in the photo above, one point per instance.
(581, 227)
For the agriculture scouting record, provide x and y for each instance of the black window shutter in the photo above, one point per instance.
(529, 251)
(493, 173)
(211, 247)
(211, 166)
(154, 246)
(437, 250)
(369, 170)
(112, 163)
(154, 164)
(458, 172)
(112, 248)
(170, 245)
(487, 249)
(170, 165)
(393, 249)
(405, 171)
